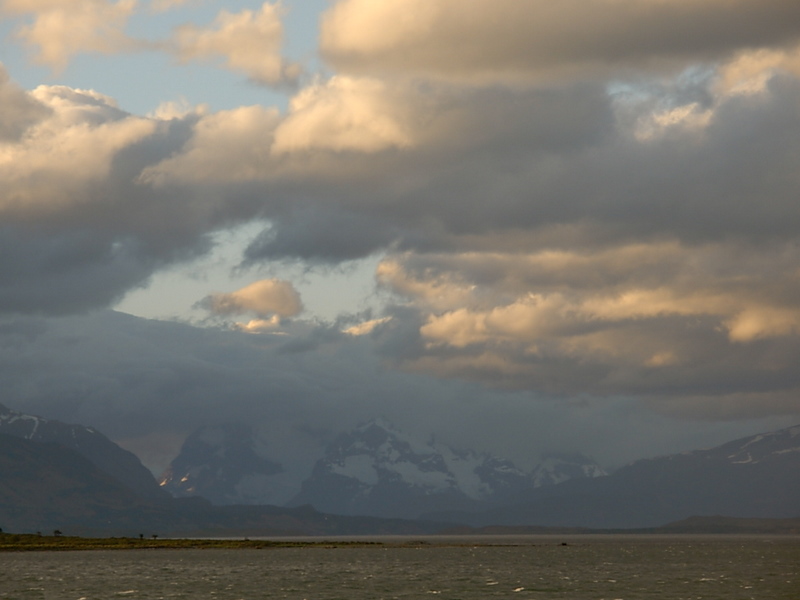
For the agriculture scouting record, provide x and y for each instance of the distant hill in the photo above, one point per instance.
(700, 525)
(754, 477)
(44, 486)
(691, 526)
(107, 456)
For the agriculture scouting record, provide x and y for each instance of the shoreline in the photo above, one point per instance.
(10, 542)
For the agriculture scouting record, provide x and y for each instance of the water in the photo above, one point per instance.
(588, 568)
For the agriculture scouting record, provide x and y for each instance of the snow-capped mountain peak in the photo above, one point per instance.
(376, 450)
(379, 470)
(763, 446)
(31, 427)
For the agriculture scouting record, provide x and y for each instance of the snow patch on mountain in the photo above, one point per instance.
(465, 468)
(377, 450)
(360, 468)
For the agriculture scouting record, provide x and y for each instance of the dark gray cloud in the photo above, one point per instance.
(539, 40)
(66, 272)
(319, 235)
(77, 230)
(549, 167)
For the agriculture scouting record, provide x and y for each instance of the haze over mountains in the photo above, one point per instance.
(375, 469)
(378, 470)
(757, 476)
(68, 476)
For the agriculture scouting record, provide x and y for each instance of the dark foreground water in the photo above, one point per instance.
(591, 568)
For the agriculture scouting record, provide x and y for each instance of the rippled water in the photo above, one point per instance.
(593, 568)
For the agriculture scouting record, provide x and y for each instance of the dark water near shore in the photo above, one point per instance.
(587, 568)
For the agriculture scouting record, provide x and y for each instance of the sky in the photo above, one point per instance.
(523, 227)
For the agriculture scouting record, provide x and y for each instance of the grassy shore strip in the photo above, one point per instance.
(27, 542)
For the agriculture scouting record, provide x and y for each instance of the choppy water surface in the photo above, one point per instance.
(587, 568)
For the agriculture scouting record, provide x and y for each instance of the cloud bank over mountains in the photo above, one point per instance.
(592, 199)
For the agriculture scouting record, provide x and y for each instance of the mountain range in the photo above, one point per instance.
(70, 477)
(375, 469)
(756, 477)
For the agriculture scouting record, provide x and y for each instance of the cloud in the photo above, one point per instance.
(64, 28)
(320, 236)
(344, 139)
(67, 152)
(656, 320)
(750, 70)
(366, 327)
(228, 146)
(20, 110)
(78, 228)
(325, 124)
(248, 41)
(61, 272)
(263, 298)
(343, 114)
(481, 41)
